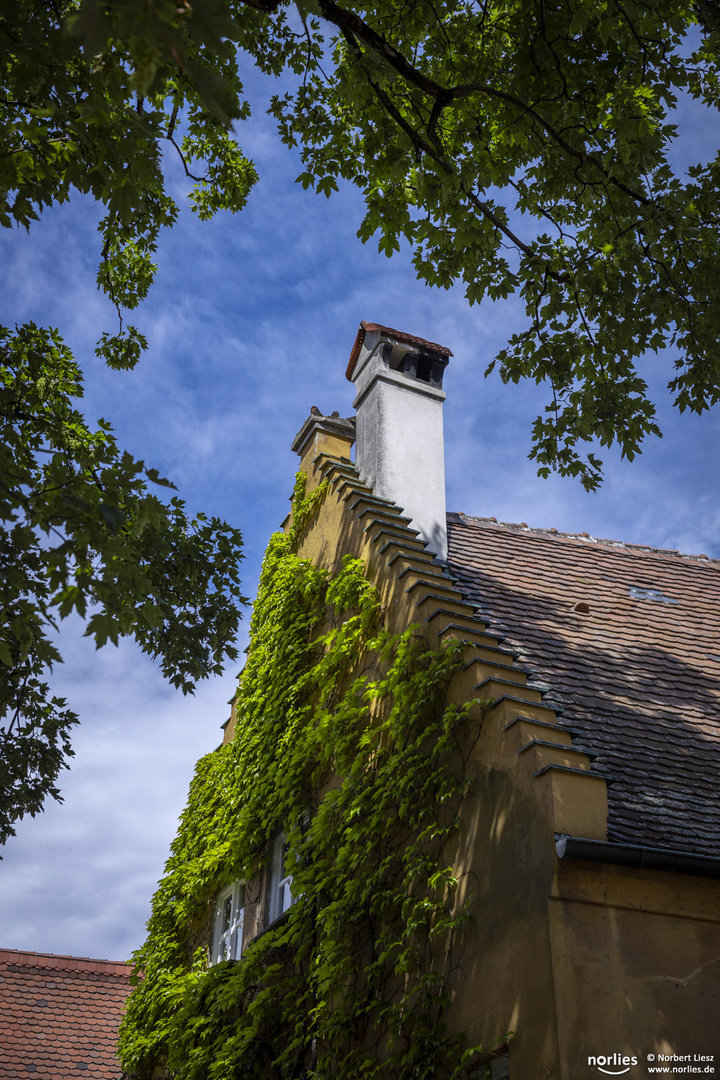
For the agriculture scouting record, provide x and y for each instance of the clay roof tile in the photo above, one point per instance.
(64, 1023)
(637, 674)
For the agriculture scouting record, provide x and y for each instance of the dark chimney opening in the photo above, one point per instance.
(424, 366)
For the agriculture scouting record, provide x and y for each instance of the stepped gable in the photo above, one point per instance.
(60, 1015)
(626, 639)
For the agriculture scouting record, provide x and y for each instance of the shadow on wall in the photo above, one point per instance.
(633, 676)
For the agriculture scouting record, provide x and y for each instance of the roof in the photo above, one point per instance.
(398, 335)
(60, 1015)
(627, 640)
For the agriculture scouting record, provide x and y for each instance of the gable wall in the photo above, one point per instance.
(574, 959)
(505, 856)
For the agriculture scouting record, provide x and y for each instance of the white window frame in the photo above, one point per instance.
(228, 929)
(280, 896)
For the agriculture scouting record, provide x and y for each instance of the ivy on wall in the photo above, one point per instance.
(344, 741)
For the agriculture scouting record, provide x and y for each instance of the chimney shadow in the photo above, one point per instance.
(638, 680)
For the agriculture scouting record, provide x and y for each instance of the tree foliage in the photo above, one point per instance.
(81, 531)
(523, 148)
(81, 534)
(84, 120)
(520, 148)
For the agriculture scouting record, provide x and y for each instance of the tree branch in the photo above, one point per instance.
(350, 24)
(197, 179)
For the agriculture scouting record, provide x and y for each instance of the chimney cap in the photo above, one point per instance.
(396, 335)
(334, 426)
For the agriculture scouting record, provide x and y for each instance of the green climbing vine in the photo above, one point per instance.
(344, 741)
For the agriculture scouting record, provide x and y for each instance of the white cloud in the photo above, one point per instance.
(78, 879)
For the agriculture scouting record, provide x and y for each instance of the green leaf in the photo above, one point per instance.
(122, 351)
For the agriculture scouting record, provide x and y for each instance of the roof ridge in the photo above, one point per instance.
(38, 959)
(584, 537)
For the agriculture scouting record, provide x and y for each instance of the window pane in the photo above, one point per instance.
(285, 898)
(227, 915)
(227, 939)
(279, 892)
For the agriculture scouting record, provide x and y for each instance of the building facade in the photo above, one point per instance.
(555, 904)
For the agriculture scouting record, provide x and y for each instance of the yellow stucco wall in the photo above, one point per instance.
(575, 959)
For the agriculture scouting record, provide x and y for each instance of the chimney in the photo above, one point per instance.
(399, 402)
(320, 434)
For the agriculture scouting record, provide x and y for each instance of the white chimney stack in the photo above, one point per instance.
(399, 403)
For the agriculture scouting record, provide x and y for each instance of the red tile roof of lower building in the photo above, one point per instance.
(627, 641)
(60, 1016)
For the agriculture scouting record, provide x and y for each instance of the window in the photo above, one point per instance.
(279, 895)
(227, 939)
(641, 593)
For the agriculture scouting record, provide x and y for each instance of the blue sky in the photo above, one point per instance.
(250, 323)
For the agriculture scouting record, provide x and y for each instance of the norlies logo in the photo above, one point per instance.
(613, 1064)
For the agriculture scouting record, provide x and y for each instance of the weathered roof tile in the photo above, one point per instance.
(398, 335)
(61, 1026)
(637, 673)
